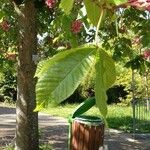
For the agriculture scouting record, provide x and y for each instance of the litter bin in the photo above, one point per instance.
(87, 133)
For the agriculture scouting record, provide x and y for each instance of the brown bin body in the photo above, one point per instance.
(86, 135)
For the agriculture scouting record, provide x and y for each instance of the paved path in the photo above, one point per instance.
(54, 130)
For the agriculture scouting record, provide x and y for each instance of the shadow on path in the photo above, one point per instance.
(117, 140)
(56, 135)
(6, 110)
(54, 130)
(7, 125)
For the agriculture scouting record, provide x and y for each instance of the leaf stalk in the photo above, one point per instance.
(98, 26)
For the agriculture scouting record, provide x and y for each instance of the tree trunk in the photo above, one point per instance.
(27, 120)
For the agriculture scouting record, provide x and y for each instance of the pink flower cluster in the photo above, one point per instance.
(5, 25)
(146, 54)
(76, 26)
(140, 4)
(50, 3)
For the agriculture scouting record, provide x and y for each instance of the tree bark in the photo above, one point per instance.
(27, 120)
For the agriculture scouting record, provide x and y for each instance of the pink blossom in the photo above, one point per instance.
(50, 3)
(5, 25)
(146, 54)
(76, 26)
(140, 4)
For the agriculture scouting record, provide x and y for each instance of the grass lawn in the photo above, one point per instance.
(119, 117)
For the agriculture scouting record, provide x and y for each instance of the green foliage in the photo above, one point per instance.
(2, 14)
(87, 85)
(145, 33)
(120, 92)
(117, 94)
(116, 36)
(105, 77)
(10, 147)
(8, 46)
(45, 147)
(93, 11)
(117, 2)
(137, 63)
(67, 5)
(60, 75)
(122, 48)
(119, 117)
(8, 87)
(74, 65)
(8, 38)
(55, 28)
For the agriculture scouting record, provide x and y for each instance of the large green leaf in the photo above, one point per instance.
(66, 5)
(105, 77)
(59, 76)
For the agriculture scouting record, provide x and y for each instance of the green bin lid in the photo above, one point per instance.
(91, 120)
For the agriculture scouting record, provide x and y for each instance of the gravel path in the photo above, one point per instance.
(54, 130)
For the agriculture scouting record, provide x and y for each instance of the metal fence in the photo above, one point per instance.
(141, 114)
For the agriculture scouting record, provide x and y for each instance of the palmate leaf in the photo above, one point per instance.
(59, 76)
(105, 77)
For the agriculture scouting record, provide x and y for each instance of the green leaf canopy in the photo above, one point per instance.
(60, 75)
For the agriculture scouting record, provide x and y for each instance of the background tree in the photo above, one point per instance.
(8, 54)
(121, 44)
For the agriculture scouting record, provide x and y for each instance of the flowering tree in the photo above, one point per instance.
(60, 75)
(75, 64)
